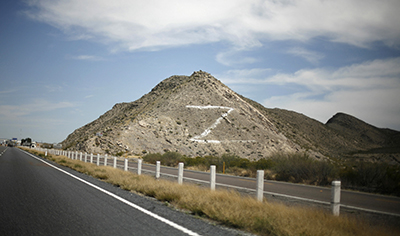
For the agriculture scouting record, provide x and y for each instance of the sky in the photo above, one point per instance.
(63, 63)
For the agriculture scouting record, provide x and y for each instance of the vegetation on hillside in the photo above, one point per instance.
(296, 168)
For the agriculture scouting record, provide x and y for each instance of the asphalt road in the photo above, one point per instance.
(349, 199)
(38, 199)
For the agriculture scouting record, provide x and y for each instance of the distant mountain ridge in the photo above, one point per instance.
(198, 115)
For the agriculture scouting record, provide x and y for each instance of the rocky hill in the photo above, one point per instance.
(198, 115)
(343, 136)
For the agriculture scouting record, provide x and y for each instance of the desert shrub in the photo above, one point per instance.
(205, 161)
(262, 164)
(171, 158)
(152, 158)
(229, 159)
(371, 177)
(196, 161)
(237, 171)
(214, 160)
(119, 154)
(241, 163)
(167, 159)
(300, 168)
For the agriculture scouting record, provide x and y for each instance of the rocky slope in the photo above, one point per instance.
(197, 115)
(343, 136)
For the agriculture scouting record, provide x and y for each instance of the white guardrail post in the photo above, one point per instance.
(158, 164)
(212, 177)
(180, 173)
(115, 162)
(91, 157)
(139, 166)
(335, 198)
(260, 185)
(85, 156)
(98, 160)
(80, 156)
(105, 160)
(126, 164)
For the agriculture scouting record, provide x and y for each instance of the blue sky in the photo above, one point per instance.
(64, 63)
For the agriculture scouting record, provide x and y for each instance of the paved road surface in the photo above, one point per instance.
(37, 199)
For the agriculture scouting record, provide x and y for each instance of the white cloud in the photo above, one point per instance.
(11, 112)
(369, 91)
(154, 24)
(86, 58)
(312, 57)
(8, 91)
(53, 88)
(233, 57)
(245, 76)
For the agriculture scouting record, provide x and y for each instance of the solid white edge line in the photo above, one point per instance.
(166, 221)
(368, 210)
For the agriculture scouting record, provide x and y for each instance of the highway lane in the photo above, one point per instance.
(2, 149)
(37, 199)
(349, 199)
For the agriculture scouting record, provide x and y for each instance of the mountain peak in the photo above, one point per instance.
(365, 135)
(201, 73)
(198, 115)
(195, 115)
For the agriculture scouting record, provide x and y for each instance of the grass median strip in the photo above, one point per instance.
(229, 207)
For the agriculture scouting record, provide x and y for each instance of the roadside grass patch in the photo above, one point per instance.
(232, 209)
(78, 166)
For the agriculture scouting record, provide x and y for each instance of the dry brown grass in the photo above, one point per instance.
(230, 208)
